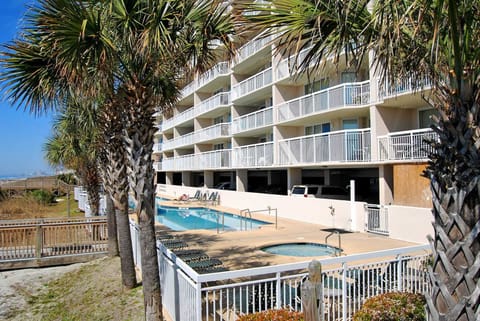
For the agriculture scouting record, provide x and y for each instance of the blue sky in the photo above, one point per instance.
(22, 135)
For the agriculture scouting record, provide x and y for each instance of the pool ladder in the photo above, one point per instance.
(247, 214)
(337, 253)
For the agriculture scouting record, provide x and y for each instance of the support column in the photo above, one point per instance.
(326, 177)
(169, 178)
(186, 178)
(294, 177)
(385, 182)
(208, 179)
(242, 180)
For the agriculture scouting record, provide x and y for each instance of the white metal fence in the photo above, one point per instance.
(376, 220)
(256, 155)
(253, 83)
(339, 146)
(348, 94)
(260, 118)
(347, 282)
(222, 68)
(406, 145)
(206, 160)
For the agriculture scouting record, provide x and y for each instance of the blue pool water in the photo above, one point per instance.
(301, 249)
(199, 218)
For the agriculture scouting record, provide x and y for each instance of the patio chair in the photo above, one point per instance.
(213, 198)
(196, 197)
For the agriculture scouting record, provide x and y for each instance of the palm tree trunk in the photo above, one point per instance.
(116, 178)
(112, 227)
(454, 275)
(139, 138)
(92, 185)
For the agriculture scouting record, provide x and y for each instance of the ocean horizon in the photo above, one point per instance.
(9, 177)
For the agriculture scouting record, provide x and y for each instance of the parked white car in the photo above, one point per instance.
(320, 191)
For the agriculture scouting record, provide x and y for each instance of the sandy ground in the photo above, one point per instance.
(17, 286)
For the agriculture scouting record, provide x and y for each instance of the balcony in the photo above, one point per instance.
(178, 119)
(258, 155)
(187, 90)
(340, 146)
(201, 135)
(340, 96)
(219, 100)
(220, 69)
(258, 119)
(254, 83)
(212, 103)
(252, 47)
(157, 148)
(404, 86)
(406, 145)
(157, 166)
(209, 160)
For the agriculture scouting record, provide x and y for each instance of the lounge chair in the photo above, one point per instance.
(213, 198)
(174, 244)
(196, 197)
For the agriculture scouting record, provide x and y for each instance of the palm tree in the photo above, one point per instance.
(419, 39)
(131, 50)
(73, 146)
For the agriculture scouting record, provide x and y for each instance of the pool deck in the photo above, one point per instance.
(241, 249)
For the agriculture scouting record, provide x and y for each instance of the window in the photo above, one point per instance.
(218, 120)
(424, 117)
(317, 129)
(348, 76)
(316, 85)
(350, 124)
(218, 147)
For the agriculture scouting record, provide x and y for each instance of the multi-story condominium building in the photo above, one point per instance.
(256, 123)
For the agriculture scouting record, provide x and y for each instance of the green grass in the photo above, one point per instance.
(93, 292)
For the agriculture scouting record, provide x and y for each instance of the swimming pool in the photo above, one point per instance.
(302, 249)
(199, 218)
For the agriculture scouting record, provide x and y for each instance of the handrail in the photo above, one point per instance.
(243, 214)
(247, 210)
(337, 253)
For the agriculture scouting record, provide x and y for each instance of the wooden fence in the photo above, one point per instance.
(31, 241)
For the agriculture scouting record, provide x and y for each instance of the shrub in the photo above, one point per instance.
(394, 306)
(273, 315)
(68, 178)
(42, 196)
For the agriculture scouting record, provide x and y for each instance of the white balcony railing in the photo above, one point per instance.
(177, 119)
(211, 103)
(157, 166)
(257, 155)
(209, 160)
(252, 47)
(220, 69)
(403, 86)
(257, 119)
(183, 140)
(188, 90)
(212, 132)
(343, 95)
(253, 83)
(157, 148)
(406, 145)
(340, 146)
